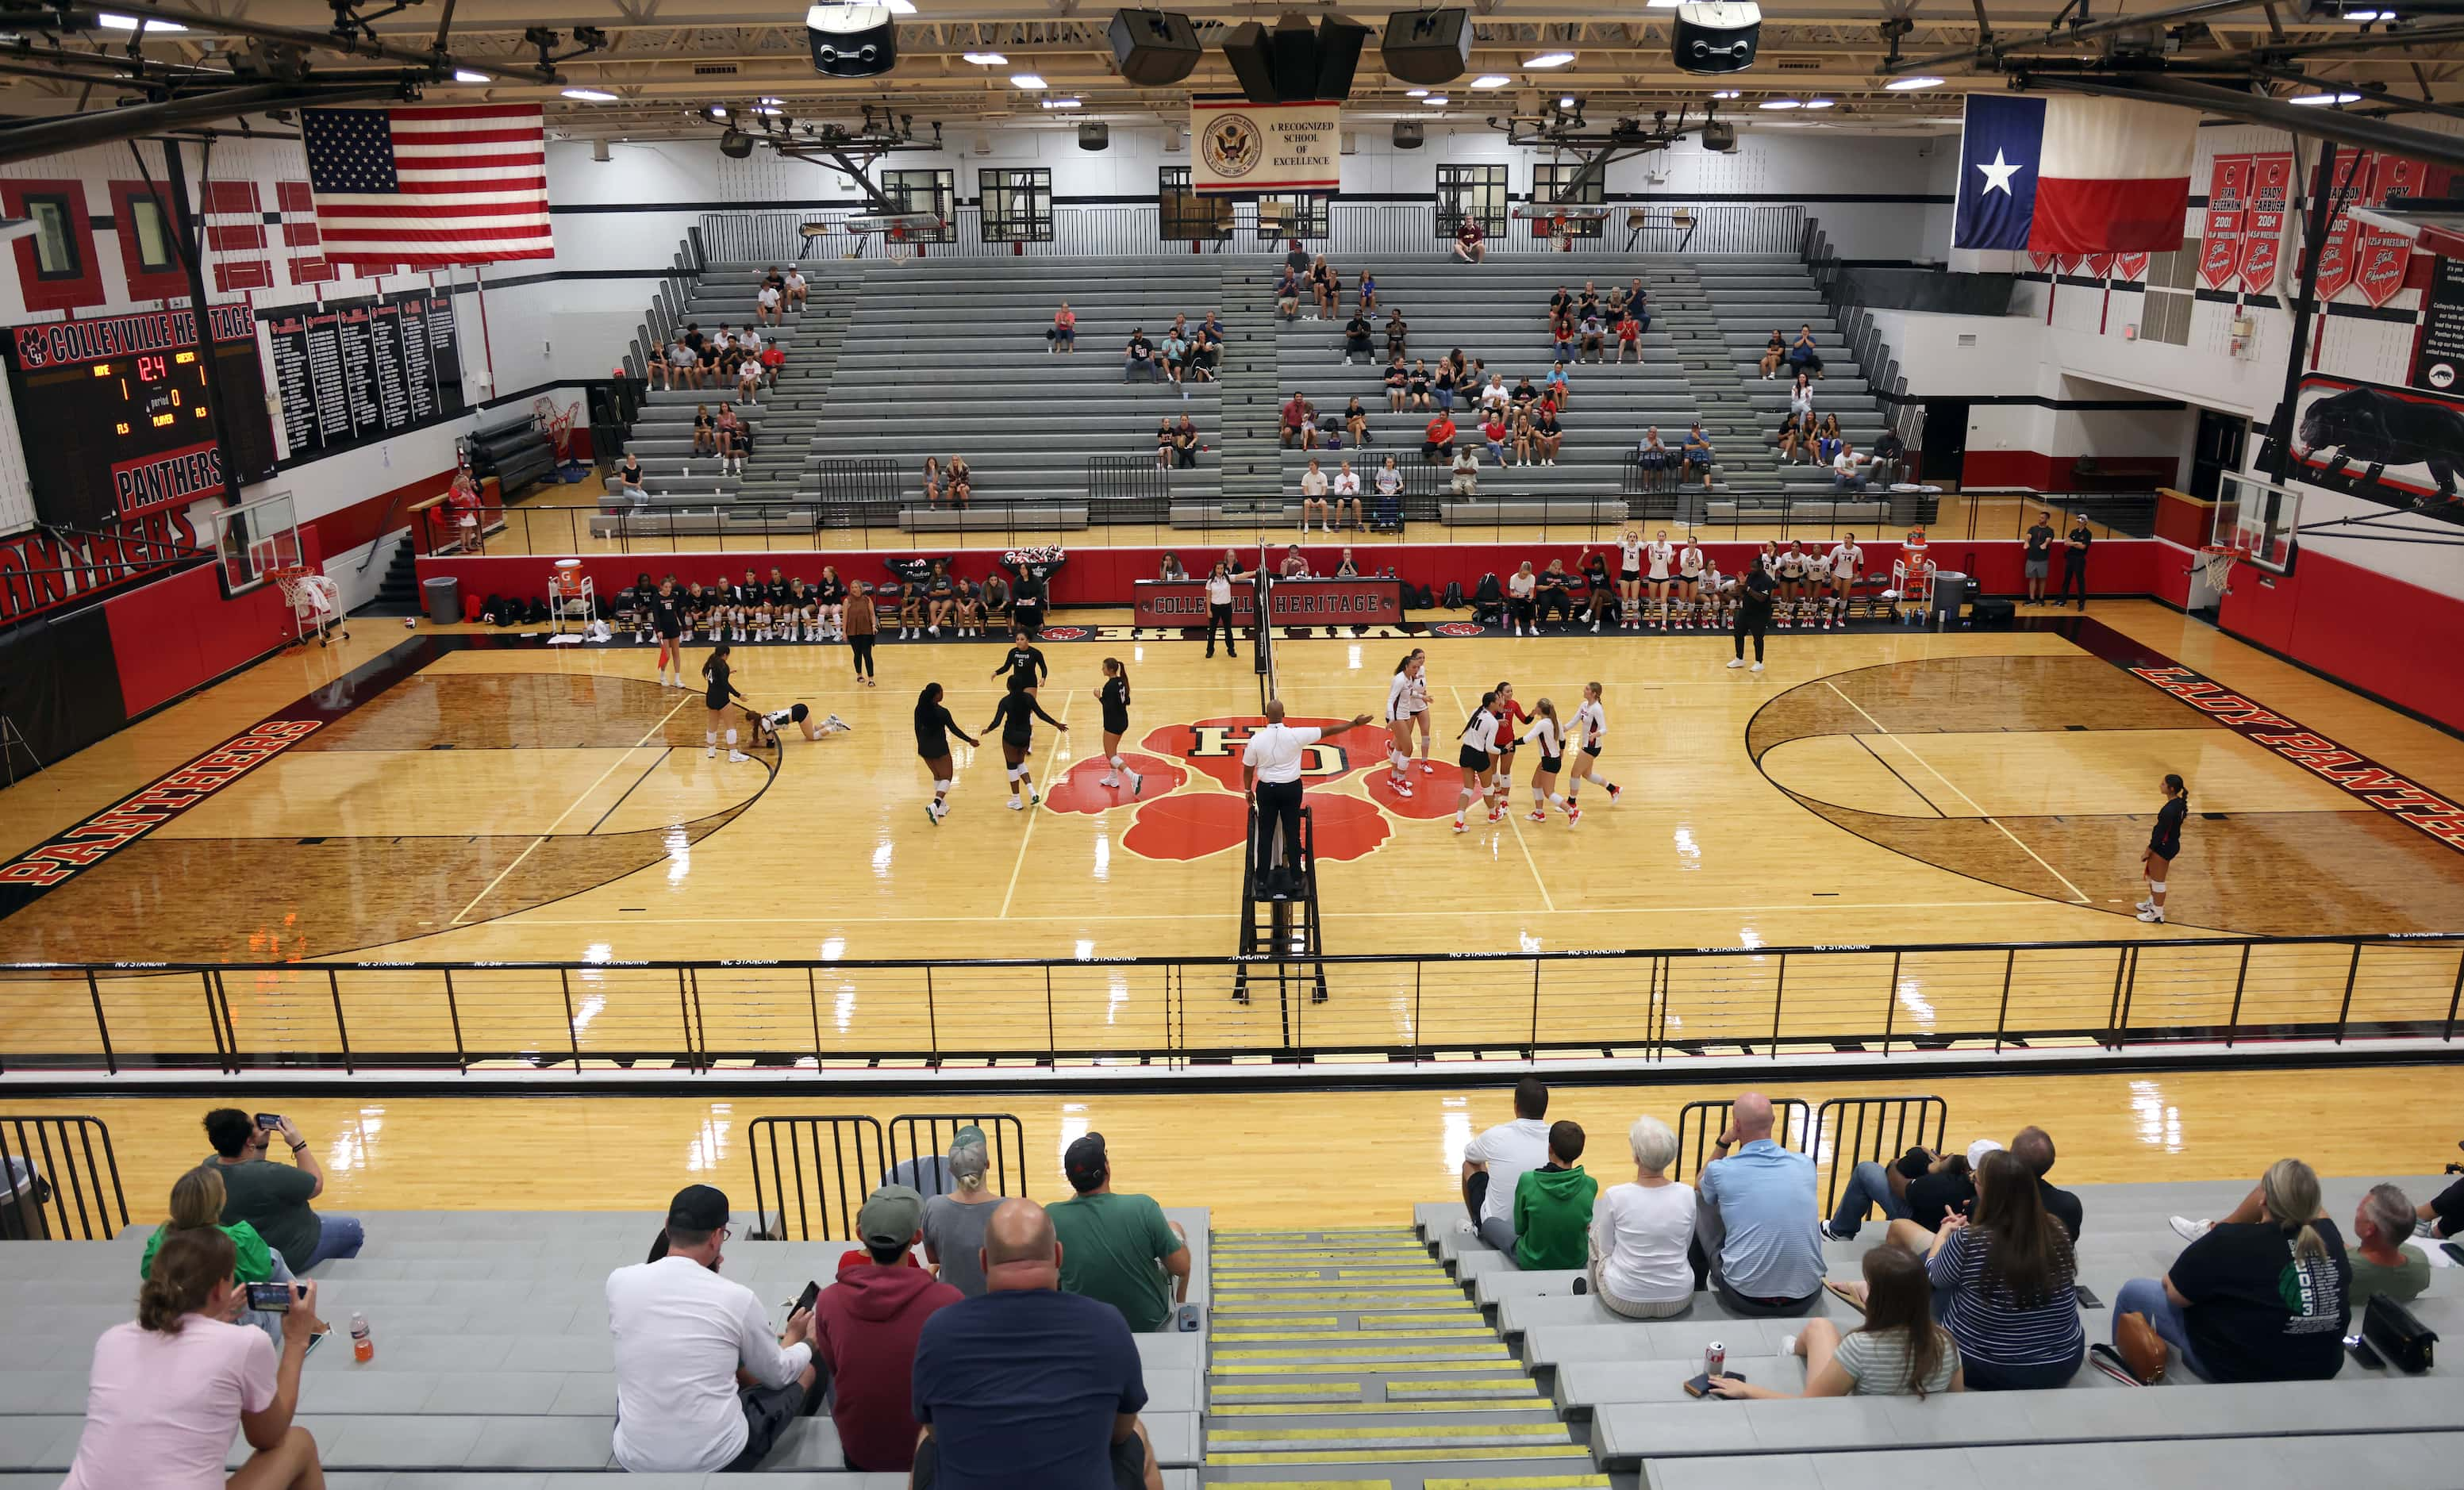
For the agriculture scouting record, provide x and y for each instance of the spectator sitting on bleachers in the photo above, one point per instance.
(705, 432)
(2255, 1299)
(1416, 389)
(1526, 439)
(1398, 335)
(865, 1328)
(1561, 336)
(1346, 496)
(1206, 348)
(1118, 1248)
(1547, 433)
(1757, 1241)
(1494, 434)
(1493, 394)
(1594, 337)
(1791, 441)
(772, 296)
(1137, 356)
(1176, 353)
(1524, 394)
(1557, 389)
(1873, 1185)
(1827, 438)
(164, 1391)
(1325, 288)
(197, 1199)
(2011, 1280)
(628, 477)
(1163, 442)
(1637, 302)
(2034, 1148)
(1494, 1163)
(1184, 443)
(774, 358)
(1801, 353)
(1847, 472)
(1801, 397)
(274, 1197)
(1368, 291)
(2378, 1261)
(1636, 1260)
(1313, 487)
(748, 378)
(730, 429)
(1628, 334)
(1775, 353)
(1295, 564)
(1439, 439)
(1698, 454)
(1355, 423)
(1899, 1351)
(1468, 244)
(1398, 385)
(659, 368)
(954, 1222)
(2443, 1214)
(1552, 1204)
(1560, 304)
(1029, 1385)
(685, 1338)
(1357, 340)
(1390, 490)
(1445, 383)
(1288, 294)
(933, 482)
(1300, 424)
(1889, 452)
(962, 481)
(1062, 334)
(796, 288)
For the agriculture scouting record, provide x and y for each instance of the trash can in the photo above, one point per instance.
(1951, 593)
(442, 598)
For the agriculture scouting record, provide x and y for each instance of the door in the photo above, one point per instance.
(1945, 441)
(2217, 451)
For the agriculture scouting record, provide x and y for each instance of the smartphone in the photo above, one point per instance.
(268, 1121)
(2363, 1355)
(1701, 1385)
(804, 1300)
(270, 1298)
(2452, 1251)
(2087, 1297)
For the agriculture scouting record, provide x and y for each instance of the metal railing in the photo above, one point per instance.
(1837, 1136)
(812, 1175)
(1699, 1125)
(1651, 1004)
(1355, 232)
(55, 1184)
(924, 1140)
(1865, 340)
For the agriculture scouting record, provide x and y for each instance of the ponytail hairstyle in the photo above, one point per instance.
(1485, 700)
(196, 1200)
(1548, 710)
(717, 658)
(2290, 1193)
(1898, 1297)
(1113, 666)
(186, 1269)
(931, 696)
(2173, 784)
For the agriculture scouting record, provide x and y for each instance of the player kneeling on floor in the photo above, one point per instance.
(767, 727)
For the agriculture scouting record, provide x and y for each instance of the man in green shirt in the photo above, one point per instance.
(2378, 1261)
(1552, 1206)
(1114, 1247)
(274, 1197)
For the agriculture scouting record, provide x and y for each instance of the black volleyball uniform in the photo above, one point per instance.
(1115, 698)
(1026, 660)
(666, 611)
(2165, 840)
(934, 728)
(1016, 715)
(720, 690)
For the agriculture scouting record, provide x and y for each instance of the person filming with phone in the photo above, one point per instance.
(701, 1382)
(166, 1389)
(274, 1197)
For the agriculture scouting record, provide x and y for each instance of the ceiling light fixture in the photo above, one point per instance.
(774, 102)
(1026, 80)
(1416, 93)
(1819, 103)
(1549, 59)
(1491, 81)
(1727, 92)
(1782, 103)
(2313, 100)
(1063, 103)
(1910, 84)
(463, 75)
(111, 22)
(985, 58)
(1435, 100)
(590, 96)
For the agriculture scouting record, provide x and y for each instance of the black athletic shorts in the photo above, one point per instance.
(1551, 765)
(1471, 760)
(1592, 752)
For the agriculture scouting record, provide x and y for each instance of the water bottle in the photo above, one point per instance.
(362, 1348)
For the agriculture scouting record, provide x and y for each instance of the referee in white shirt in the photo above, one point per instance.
(1270, 776)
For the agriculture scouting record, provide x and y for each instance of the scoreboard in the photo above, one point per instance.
(113, 416)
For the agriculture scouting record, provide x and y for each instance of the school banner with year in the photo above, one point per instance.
(1236, 148)
(2262, 236)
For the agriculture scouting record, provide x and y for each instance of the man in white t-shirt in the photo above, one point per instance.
(1847, 472)
(1494, 1162)
(1314, 497)
(1270, 778)
(682, 1334)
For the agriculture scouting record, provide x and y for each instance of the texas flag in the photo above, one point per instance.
(2074, 175)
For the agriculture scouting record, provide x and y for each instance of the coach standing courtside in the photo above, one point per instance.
(1753, 609)
(1271, 778)
(2075, 561)
(1219, 605)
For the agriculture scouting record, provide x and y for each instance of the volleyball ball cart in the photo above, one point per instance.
(316, 602)
(571, 596)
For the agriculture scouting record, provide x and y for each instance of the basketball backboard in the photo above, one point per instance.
(251, 540)
(2258, 517)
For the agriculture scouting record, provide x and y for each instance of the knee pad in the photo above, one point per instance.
(2156, 886)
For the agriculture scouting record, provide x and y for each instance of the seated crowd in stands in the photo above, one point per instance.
(755, 610)
(1186, 354)
(1582, 328)
(954, 483)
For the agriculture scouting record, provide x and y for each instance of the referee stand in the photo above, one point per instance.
(1280, 929)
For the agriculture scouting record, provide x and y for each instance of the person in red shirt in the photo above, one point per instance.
(1441, 442)
(1629, 333)
(1492, 431)
(465, 500)
(774, 357)
(1300, 424)
(865, 1328)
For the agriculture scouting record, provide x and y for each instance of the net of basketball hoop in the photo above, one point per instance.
(316, 602)
(2213, 571)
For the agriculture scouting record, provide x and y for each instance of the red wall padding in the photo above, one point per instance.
(178, 633)
(1103, 575)
(2359, 627)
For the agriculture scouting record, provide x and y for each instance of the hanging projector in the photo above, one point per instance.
(1715, 35)
(852, 41)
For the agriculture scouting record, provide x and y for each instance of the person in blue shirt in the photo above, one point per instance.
(1698, 452)
(1757, 1235)
(1025, 1387)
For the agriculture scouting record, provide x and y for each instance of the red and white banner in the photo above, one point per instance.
(2381, 258)
(1362, 602)
(2043, 263)
(2262, 238)
(2226, 219)
(2131, 266)
(2099, 266)
(1238, 147)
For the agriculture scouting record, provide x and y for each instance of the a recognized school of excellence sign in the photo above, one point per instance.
(1236, 148)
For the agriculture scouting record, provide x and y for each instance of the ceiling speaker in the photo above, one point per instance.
(1094, 136)
(1155, 49)
(1715, 35)
(1296, 62)
(1428, 47)
(1247, 48)
(1339, 41)
(736, 145)
(1407, 137)
(852, 41)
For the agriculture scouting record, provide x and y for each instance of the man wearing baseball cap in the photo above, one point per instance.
(682, 1333)
(1114, 1247)
(865, 1328)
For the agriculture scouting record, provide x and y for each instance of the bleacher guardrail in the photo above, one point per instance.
(1647, 1004)
(924, 1139)
(1699, 1125)
(1848, 1131)
(54, 1183)
(818, 1185)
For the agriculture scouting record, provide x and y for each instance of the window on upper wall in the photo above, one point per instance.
(151, 229)
(56, 243)
(925, 192)
(1471, 190)
(2173, 280)
(1292, 214)
(1182, 215)
(1017, 205)
(1551, 178)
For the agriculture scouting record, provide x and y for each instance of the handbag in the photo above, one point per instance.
(2398, 1334)
(2141, 1348)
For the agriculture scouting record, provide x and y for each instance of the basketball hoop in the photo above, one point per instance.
(2214, 567)
(316, 602)
(559, 426)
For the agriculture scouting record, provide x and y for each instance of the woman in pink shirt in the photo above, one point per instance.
(167, 1391)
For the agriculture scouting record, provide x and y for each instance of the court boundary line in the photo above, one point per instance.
(1034, 811)
(656, 762)
(1357, 916)
(1895, 775)
(2076, 893)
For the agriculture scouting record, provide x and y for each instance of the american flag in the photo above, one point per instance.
(427, 186)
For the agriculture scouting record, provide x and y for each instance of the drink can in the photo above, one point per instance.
(1715, 1359)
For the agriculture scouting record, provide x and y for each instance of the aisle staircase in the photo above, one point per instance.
(1252, 402)
(1348, 1358)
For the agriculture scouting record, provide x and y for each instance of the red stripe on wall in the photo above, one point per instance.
(2358, 627)
(180, 633)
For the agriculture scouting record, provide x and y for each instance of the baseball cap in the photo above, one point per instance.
(1913, 1163)
(1085, 1162)
(890, 1216)
(698, 1208)
(1977, 1151)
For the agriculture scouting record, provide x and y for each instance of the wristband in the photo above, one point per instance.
(298, 1148)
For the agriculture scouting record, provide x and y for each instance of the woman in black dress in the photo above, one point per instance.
(715, 693)
(1115, 696)
(1016, 715)
(2164, 846)
(934, 728)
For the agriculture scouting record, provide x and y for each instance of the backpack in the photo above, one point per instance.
(1487, 592)
(1420, 599)
(1454, 599)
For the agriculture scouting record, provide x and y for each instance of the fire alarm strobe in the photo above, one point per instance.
(1716, 35)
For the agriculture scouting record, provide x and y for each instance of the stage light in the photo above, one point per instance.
(1910, 84)
(1549, 59)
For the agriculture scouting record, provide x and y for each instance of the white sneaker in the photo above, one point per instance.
(2144, 905)
(1014, 805)
(710, 753)
(1758, 667)
(2152, 915)
(1137, 783)
(1736, 662)
(738, 754)
(2187, 1228)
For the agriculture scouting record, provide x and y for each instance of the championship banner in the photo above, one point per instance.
(1236, 148)
(2228, 211)
(2041, 263)
(2131, 266)
(2262, 239)
(2380, 258)
(2346, 190)
(2099, 266)
(1366, 601)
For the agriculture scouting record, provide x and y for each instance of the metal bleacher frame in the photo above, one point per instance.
(1891, 1114)
(48, 1165)
(843, 1133)
(1004, 1143)
(1708, 1120)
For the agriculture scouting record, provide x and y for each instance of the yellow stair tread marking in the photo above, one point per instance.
(1533, 1404)
(1500, 1451)
(1550, 1430)
(1331, 1368)
(1523, 1482)
(1293, 1389)
(1467, 1352)
(1451, 1332)
(1462, 1386)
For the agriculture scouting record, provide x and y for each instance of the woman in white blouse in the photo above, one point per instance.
(1640, 1232)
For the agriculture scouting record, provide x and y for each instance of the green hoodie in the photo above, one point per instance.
(1552, 1218)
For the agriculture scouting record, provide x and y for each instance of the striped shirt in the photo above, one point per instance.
(1877, 1361)
(1989, 1324)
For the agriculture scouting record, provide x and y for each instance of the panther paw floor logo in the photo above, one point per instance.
(1173, 818)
